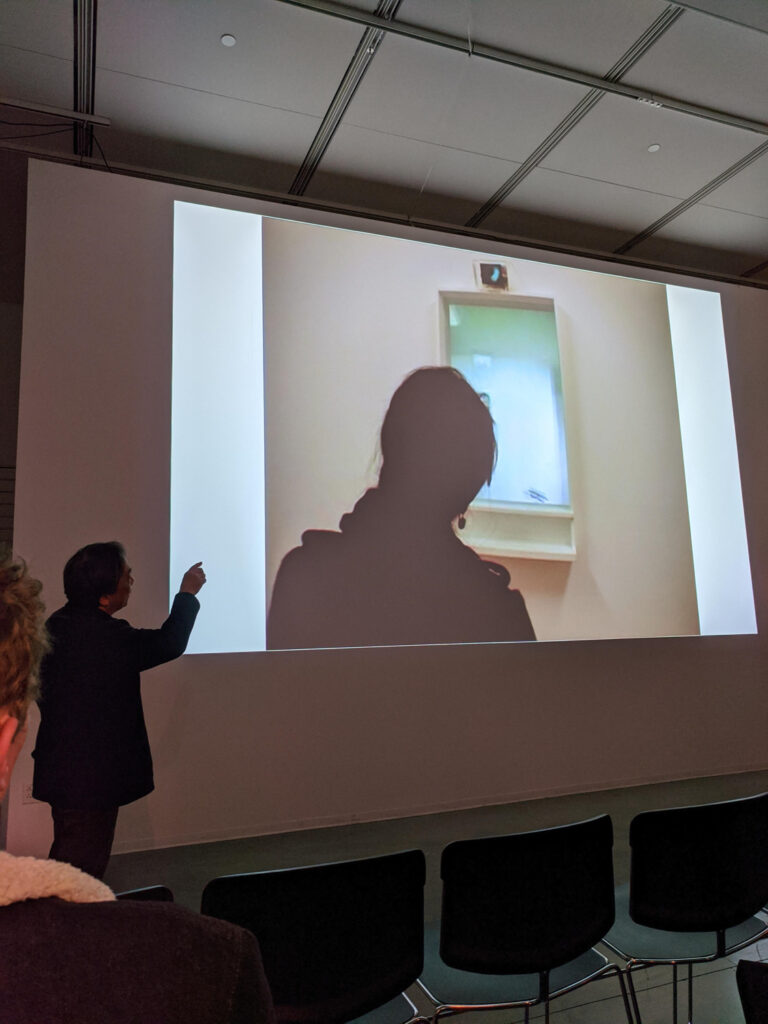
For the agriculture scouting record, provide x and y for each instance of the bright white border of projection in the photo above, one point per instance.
(715, 507)
(217, 423)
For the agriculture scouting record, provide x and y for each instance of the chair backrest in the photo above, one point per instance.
(154, 893)
(752, 979)
(337, 940)
(702, 868)
(528, 902)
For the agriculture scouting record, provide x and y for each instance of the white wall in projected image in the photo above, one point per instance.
(217, 422)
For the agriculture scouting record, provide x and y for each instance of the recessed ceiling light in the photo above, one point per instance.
(228, 40)
(654, 147)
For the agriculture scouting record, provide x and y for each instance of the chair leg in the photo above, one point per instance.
(633, 995)
(674, 993)
(623, 987)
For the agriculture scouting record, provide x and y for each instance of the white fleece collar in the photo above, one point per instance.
(28, 878)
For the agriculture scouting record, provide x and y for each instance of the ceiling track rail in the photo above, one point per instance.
(686, 204)
(84, 68)
(638, 49)
(518, 60)
(353, 76)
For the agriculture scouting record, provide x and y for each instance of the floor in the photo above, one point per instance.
(187, 869)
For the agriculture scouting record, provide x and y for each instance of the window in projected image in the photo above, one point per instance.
(508, 351)
(507, 348)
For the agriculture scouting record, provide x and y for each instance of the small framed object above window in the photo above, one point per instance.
(506, 345)
(493, 277)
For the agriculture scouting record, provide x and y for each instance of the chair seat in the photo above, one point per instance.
(397, 1011)
(636, 942)
(447, 985)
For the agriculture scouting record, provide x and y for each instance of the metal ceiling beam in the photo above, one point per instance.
(518, 60)
(353, 76)
(638, 49)
(84, 68)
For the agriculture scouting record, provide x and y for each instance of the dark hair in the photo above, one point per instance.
(438, 437)
(92, 572)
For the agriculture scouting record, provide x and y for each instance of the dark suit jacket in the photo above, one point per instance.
(127, 963)
(92, 749)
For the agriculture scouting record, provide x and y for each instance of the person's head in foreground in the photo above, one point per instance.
(23, 642)
(437, 443)
(98, 576)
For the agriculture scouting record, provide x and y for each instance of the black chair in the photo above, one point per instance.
(340, 942)
(520, 916)
(752, 980)
(698, 876)
(150, 892)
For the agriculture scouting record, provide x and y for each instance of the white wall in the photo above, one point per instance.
(348, 315)
(246, 744)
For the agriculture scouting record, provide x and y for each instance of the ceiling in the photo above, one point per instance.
(522, 119)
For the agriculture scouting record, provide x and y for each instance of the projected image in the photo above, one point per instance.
(601, 518)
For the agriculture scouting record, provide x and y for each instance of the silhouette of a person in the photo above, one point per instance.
(396, 573)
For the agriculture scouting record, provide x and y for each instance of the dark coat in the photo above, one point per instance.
(92, 749)
(127, 963)
(383, 580)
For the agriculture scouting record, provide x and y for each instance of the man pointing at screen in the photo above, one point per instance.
(92, 753)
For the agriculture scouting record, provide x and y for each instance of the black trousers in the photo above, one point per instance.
(83, 838)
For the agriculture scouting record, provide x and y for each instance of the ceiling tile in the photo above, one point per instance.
(44, 28)
(167, 156)
(589, 35)
(708, 62)
(746, 192)
(182, 114)
(425, 92)
(541, 228)
(611, 144)
(284, 56)
(35, 77)
(456, 174)
(745, 12)
(394, 167)
(584, 199)
(380, 156)
(705, 258)
(594, 214)
(723, 229)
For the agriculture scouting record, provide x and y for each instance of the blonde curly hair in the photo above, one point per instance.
(23, 637)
